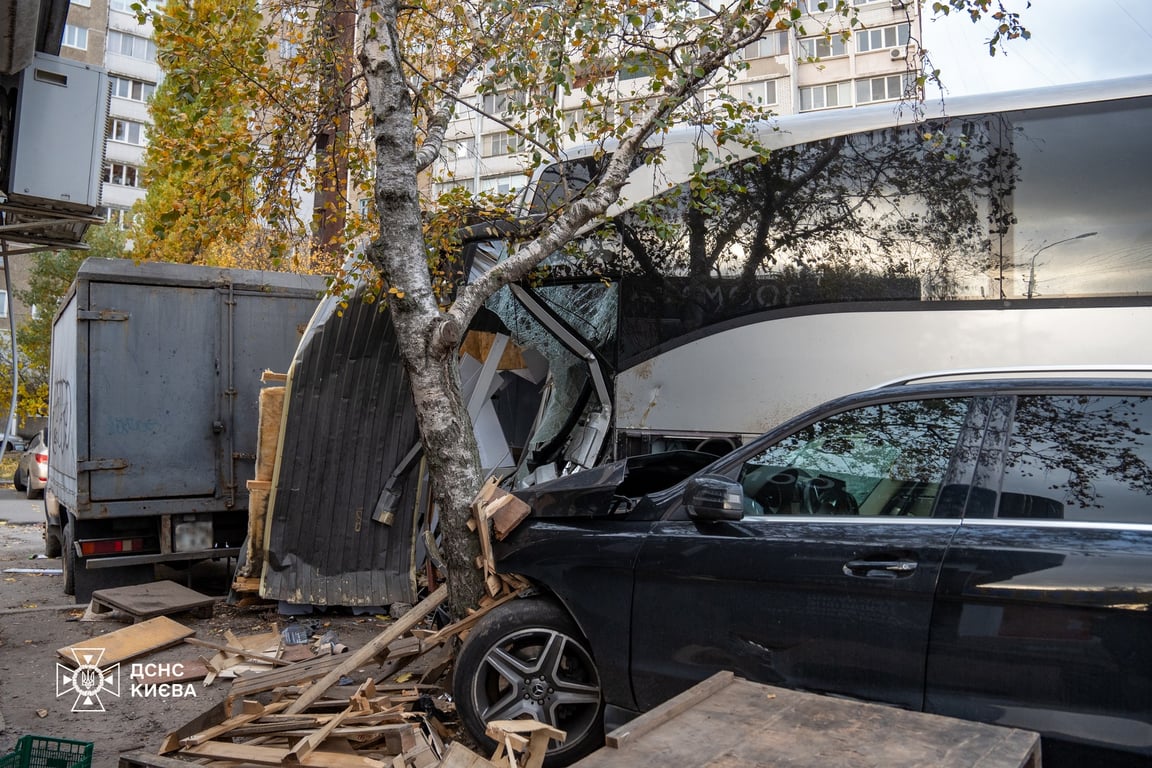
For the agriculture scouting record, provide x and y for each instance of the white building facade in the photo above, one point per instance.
(786, 71)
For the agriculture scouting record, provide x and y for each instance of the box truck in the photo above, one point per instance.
(153, 411)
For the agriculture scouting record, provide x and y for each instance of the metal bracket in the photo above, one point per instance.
(89, 465)
(102, 314)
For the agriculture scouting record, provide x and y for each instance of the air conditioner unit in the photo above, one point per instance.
(896, 53)
(57, 150)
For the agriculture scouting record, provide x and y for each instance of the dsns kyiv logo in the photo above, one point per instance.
(88, 680)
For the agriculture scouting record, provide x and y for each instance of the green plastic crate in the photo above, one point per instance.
(47, 752)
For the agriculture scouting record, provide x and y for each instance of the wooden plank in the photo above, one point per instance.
(459, 756)
(300, 672)
(254, 713)
(309, 743)
(126, 643)
(208, 718)
(530, 736)
(465, 623)
(510, 513)
(158, 598)
(140, 759)
(747, 724)
(237, 651)
(487, 562)
(261, 755)
(669, 709)
(351, 661)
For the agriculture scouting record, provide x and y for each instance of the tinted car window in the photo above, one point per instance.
(1082, 458)
(886, 459)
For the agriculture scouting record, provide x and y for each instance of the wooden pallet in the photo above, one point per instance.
(728, 722)
(147, 601)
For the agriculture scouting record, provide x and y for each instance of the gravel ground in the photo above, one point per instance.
(36, 619)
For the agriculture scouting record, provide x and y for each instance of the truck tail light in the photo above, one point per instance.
(110, 546)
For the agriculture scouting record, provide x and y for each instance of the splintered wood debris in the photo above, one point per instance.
(379, 706)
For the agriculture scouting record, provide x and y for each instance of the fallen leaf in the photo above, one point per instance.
(404, 677)
(41, 713)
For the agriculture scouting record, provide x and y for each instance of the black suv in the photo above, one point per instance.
(979, 548)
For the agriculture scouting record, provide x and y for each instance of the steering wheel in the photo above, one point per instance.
(777, 492)
(825, 495)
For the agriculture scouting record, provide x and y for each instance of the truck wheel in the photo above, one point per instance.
(52, 539)
(68, 561)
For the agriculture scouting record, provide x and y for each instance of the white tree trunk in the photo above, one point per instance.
(427, 338)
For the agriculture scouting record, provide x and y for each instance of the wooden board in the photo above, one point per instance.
(160, 598)
(734, 723)
(127, 643)
(459, 756)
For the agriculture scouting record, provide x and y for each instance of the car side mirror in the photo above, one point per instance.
(712, 498)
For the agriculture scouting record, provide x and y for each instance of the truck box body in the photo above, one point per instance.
(154, 408)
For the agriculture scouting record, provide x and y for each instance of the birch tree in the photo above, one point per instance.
(415, 61)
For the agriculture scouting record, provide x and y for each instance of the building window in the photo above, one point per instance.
(460, 149)
(133, 46)
(134, 90)
(128, 131)
(825, 96)
(762, 92)
(124, 175)
(883, 37)
(75, 37)
(500, 144)
(880, 89)
(823, 47)
(122, 5)
(775, 44)
(493, 103)
(121, 218)
(502, 184)
(3, 304)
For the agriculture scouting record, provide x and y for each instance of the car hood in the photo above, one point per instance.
(612, 488)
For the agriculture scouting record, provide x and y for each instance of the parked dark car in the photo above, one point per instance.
(31, 474)
(978, 549)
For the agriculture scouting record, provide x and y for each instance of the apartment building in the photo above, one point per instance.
(787, 71)
(107, 33)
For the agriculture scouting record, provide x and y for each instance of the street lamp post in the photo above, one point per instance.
(1032, 264)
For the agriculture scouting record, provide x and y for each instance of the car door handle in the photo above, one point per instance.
(883, 569)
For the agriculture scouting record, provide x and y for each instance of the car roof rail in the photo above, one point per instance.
(1023, 372)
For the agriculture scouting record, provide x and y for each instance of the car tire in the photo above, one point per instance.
(29, 491)
(19, 486)
(527, 658)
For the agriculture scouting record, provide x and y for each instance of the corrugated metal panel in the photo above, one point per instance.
(350, 420)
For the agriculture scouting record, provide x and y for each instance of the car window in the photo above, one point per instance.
(1081, 458)
(887, 459)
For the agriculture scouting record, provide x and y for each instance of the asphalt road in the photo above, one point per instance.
(18, 510)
